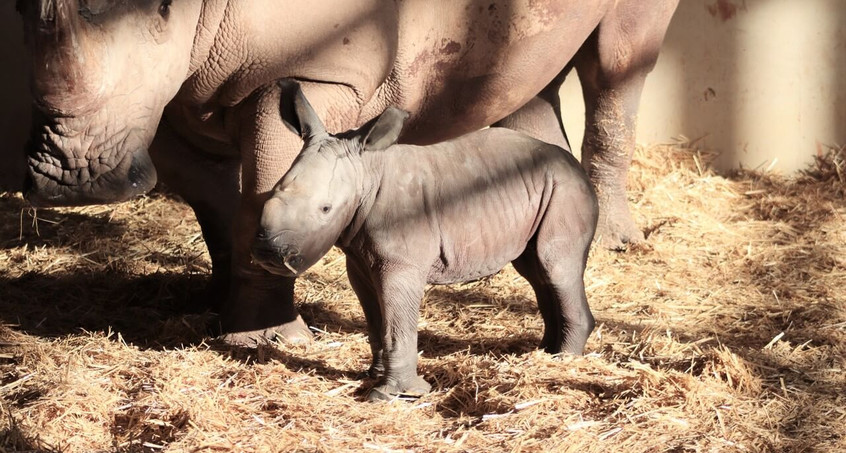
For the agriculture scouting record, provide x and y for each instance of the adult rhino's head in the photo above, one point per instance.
(317, 199)
(102, 72)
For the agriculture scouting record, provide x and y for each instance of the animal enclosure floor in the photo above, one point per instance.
(726, 331)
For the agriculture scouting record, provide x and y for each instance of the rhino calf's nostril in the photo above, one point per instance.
(262, 234)
(295, 260)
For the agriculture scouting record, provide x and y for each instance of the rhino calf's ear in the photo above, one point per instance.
(297, 113)
(385, 131)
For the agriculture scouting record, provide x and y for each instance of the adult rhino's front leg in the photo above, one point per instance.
(210, 185)
(261, 305)
(612, 66)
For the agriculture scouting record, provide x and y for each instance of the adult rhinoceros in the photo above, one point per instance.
(190, 86)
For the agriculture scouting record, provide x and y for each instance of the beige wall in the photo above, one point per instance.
(759, 80)
(14, 98)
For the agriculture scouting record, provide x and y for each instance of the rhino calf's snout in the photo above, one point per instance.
(275, 252)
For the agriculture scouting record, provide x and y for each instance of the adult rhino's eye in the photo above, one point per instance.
(325, 209)
(164, 8)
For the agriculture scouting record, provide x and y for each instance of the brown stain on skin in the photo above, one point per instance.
(725, 9)
(450, 48)
(421, 61)
(545, 11)
(346, 41)
(438, 58)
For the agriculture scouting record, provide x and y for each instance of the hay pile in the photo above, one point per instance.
(725, 332)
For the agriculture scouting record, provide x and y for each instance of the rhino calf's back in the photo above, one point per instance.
(467, 207)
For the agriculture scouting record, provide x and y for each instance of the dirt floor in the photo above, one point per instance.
(726, 331)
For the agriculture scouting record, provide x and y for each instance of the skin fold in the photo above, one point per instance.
(130, 92)
(406, 216)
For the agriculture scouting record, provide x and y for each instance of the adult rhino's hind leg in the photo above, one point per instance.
(612, 66)
(541, 116)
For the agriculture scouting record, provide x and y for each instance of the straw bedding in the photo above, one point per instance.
(725, 331)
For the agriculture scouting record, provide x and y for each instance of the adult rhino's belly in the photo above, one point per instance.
(458, 71)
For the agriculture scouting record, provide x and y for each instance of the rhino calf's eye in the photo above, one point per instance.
(325, 209)
(164, 8)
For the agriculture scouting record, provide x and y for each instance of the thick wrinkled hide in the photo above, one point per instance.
(409, 215)
(129, 92)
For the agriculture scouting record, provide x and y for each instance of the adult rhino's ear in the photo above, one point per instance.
(385, 130)
(297, 113)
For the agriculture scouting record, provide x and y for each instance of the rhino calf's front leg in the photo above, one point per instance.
(399, 301)
(368, 297)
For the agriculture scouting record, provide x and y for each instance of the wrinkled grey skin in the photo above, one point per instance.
(191, 86)
(409, 215)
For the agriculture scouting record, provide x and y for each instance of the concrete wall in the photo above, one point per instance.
(14, 98)
(758, 80)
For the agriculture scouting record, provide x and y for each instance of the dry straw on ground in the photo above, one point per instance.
(725, 332)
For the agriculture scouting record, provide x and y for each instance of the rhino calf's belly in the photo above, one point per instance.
(482, 237)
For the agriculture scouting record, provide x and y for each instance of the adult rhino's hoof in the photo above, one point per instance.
(615, 232)
(411, 388)
(293, 332)
(618, 239)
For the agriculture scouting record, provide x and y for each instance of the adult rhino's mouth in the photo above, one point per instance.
(116, 174)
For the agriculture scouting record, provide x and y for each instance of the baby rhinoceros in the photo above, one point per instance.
(410, 215)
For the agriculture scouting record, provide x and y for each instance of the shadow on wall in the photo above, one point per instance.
(15, 102)
(757, 80)
(761, 81)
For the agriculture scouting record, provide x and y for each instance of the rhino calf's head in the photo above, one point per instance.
(316, 200)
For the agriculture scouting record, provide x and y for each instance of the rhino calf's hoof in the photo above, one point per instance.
(376, 371)
(410, 388)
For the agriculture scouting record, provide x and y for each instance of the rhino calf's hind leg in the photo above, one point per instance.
(573, 319)
(554, 264)
(561, 300)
